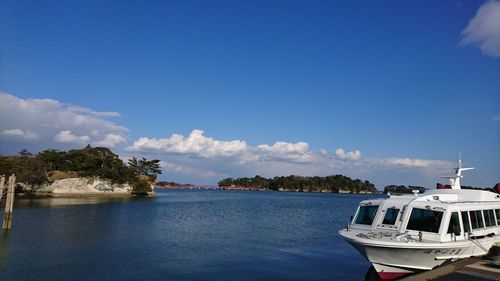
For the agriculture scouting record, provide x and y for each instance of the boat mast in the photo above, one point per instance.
(455, 180)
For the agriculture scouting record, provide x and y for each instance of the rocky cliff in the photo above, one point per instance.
(80, 186)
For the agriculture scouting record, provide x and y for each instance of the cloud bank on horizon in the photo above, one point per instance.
(52, 124)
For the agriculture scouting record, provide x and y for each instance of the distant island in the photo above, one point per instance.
(334, 183)
(171, 184)
(402, 189)
(87, 171)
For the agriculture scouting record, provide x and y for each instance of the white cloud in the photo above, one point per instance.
(217, 159)
(298, 152)
(418, 163)
(88, 111)
(176, 168)
(173, 167)
(286, 155)
(484, 29)
(18, 133)
(282, 147)
(496, 117)
(196, 143)
(199, 145)
(111, 140)
(350, 155)
(68, 137)
(52, 122)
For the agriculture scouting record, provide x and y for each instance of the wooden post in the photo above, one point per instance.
(2, 182)
(9, 204)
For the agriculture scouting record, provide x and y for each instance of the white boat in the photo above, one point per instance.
(405, 234)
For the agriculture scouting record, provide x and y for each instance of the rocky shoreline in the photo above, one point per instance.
(79, 187)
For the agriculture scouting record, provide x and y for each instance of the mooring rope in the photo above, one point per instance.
(478, 244)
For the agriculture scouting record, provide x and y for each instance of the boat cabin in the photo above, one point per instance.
(436, 215)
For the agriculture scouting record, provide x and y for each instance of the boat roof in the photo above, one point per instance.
(439, 196)
(459, 195)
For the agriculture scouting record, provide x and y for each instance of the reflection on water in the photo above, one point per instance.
(4, 246)
(63, 201)
(371, 275)
(183, 235)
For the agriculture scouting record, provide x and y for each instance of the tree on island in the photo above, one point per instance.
(24, 152)
(146, 171)
(145, 167)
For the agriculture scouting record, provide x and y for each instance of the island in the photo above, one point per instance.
(334, 183)
(403, 189)
(91, 171)
(173, 185)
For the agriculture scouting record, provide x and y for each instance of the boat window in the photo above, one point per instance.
(489, 218)
(497, 212)
(476, 219)
(425, 220)
(391, 215)
(366, 214)
(454, 223)
(466, 222)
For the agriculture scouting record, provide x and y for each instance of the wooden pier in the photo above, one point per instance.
(9, 200)
(471, 269)
(2, 183)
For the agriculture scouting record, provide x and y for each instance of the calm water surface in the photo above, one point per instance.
(183, 235)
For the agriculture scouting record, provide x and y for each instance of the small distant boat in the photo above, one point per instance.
(406, 234)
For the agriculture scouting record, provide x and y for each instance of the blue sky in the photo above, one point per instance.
(386, 91)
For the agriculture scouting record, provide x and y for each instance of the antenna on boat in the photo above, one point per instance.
(455, 180)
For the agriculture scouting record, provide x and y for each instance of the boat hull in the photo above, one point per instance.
(385, 272)
(396, 259)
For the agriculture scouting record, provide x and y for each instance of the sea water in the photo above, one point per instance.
(183, 235)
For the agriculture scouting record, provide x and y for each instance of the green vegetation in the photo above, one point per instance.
(50, 165)
(337, 183)
(144, 167)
